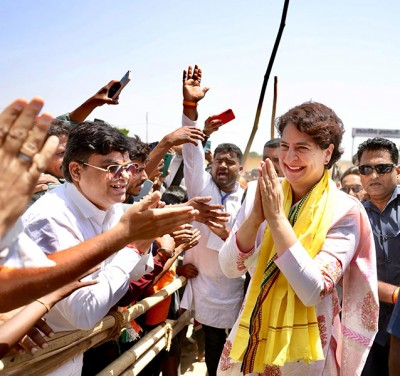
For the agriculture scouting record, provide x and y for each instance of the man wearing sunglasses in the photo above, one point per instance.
(378, 159)
(350, 183)
(97, 169)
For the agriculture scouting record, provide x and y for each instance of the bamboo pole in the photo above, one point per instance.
(144, 346)
(273, 114)
(266, 77)
(59, 346)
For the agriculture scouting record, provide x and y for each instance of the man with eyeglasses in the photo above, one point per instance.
(97, 169)
(350, 183)
(378, 159)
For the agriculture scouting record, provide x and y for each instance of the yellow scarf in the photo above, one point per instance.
(283, 329)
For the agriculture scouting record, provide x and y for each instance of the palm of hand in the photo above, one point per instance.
(192, 90)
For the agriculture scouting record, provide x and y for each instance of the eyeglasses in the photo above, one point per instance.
(116, 170)
(382, 168)
(355, 188)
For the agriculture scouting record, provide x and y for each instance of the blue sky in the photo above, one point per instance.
(344, 54)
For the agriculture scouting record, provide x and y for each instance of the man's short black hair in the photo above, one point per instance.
(223, 148)
(175, 194)
(91, 137)
(59, 128)
(379, 143)
(273, 143)
(139, 149)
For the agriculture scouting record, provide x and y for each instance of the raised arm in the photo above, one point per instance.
(179, 136)
(192, 92)
(98, 99)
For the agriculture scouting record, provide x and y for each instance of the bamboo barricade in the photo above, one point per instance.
(66, 345)
(141, 353)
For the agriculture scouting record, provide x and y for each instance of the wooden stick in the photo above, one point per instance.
(266, 77)
(273, 114)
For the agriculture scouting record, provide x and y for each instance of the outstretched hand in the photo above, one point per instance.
(143, 220)
(192, 92)
(209, 214)
(183, 135)
(24, 155)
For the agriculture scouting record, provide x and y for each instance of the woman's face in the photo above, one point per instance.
(302, 160)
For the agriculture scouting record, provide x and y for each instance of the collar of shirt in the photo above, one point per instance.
(87, 209)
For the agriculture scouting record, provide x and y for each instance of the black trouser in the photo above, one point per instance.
(377, 362)
(214, 339)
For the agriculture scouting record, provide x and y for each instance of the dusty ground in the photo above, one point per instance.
(190, 366)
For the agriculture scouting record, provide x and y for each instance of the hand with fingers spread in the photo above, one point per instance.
(209, 213)
(192, 91)
(190, 243)
(24, 155)
(143, 221)
(183, 235)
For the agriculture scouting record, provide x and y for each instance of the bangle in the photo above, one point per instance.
(189, 104)
(395, 295)
(44, 304)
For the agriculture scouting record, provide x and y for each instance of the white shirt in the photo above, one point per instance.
(61, 219)
(215, 299)
(17, 250)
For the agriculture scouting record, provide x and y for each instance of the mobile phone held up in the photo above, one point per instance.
(207, 146)
(116, 88)
(225, 117)
(167, 161)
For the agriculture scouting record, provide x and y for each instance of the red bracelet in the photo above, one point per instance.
(189, 104)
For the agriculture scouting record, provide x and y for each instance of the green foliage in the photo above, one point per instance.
(254, 154)
(124, 131)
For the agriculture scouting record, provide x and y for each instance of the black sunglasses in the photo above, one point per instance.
(355, 188)
(381, 168)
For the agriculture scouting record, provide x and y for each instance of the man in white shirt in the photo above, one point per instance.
(97, 170)
(214, 298)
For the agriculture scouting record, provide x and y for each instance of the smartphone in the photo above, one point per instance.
(153, 145)
(167, 161)
(207, 146)
(226, 116)
(116, 88)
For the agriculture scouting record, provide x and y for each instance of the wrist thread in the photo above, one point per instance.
(189, 104)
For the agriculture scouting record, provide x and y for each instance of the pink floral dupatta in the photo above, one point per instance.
(360, 304)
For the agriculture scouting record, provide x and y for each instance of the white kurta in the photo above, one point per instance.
(315, 282)
(214, 298)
